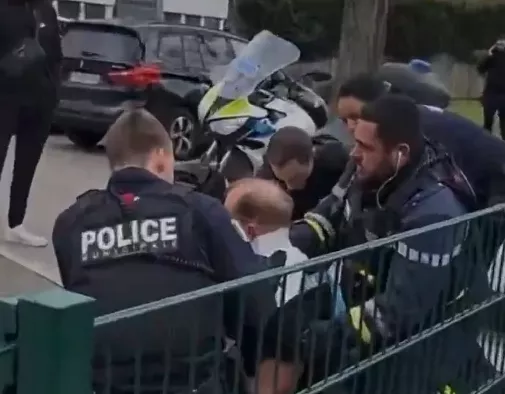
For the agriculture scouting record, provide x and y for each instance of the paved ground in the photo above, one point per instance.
(16, 279)
(64, 172)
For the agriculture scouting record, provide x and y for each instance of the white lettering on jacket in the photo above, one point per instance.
(137, 236)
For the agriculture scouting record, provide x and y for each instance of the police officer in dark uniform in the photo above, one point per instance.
(401, 183)
(142, 239)
(481, 156)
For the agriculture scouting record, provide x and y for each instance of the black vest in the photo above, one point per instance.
(131, 249)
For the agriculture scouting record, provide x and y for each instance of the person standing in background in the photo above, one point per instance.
(493, 97)
(30, 56)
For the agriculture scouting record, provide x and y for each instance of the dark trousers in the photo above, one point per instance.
(30, 124)
(492, 104)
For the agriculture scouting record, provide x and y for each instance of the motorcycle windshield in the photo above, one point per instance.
(265, 54)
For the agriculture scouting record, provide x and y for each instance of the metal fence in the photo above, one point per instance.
(217, 338)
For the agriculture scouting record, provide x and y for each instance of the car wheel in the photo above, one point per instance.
(83, 139)
(184, 131)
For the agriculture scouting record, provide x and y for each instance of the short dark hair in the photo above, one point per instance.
(398, 120)
(364, 87)
(133, 136)
(289, 143)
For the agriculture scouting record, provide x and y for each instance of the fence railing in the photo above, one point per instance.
(217, 338)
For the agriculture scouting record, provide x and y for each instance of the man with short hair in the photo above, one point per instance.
(307, 172)
(142, 239)
(401, 183)
(480, 156)
(263, 211)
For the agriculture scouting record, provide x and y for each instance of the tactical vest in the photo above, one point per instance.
(131, 249)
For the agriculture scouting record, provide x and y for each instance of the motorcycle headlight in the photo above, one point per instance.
(227, 126)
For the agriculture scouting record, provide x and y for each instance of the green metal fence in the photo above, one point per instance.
(48, 338)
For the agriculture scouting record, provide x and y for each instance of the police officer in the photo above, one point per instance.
(480, 155)
(306, 167)
(142, 239)
(401, 183)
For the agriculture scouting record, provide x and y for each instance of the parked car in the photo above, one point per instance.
(110, 65)
(62, 24)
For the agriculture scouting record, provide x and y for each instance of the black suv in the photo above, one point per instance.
(109, 65)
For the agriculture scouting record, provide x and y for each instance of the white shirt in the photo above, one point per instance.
(278, 240)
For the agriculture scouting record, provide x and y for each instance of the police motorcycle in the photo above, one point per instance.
(252, 100)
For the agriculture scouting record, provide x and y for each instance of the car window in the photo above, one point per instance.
(192, 53)
(170, 50)
(216, 51)
(101, 44)
(238, 46)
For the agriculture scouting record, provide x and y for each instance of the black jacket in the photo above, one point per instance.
(480, 155)
(49, 37)
(494, 68)
(17, 22)
(425, 274)
(133, 270)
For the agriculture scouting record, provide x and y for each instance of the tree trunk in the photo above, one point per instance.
(362, 39)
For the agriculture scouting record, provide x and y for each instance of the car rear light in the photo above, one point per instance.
(140, 76)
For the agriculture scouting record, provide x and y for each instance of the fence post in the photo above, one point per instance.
(55, 343)
(8, 328)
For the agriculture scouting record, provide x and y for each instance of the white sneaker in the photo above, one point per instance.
(21, 236)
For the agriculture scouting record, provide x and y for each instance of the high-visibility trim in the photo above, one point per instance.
(358, 323)
(369, 278)
(317, 229)
(433, 259)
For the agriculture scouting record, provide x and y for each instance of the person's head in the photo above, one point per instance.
(258, 206)
(138, 139)
(500, 43)
(290, 155)
(354, 94)
(387, 134)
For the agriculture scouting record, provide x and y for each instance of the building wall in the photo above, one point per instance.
(208, 13)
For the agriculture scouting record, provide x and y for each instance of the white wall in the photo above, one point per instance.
(205, 8)
(209, 8)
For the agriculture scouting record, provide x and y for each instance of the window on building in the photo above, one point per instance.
(94, 11)
(68, 9)
(192, 20)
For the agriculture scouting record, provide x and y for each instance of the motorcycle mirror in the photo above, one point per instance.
(316, 76)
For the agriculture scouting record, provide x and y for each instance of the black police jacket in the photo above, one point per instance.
(141, 240)
(425, 277)
(480, 155)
